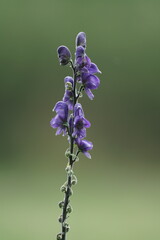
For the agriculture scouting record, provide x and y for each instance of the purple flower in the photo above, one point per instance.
(64, 55)
(80, 122)
(78, 111)
(60, 121)
(68, 95)
(80, 125)
(89, 82)
(83, 62)
(81, 39)
(93, 69)
(84, 146)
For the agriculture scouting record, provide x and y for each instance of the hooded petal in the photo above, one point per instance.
(61, 108)
(78, 111)
(81, 39)
(64, 55)
(80, 52)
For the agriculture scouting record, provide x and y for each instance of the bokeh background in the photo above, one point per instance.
(118, 191)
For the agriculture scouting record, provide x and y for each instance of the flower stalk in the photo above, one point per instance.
(70, 119)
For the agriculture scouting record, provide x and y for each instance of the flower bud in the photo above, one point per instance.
(60, 219)
(69, 86)
(67, 227)
(59, 236)
(80, 95)
(64, 55)
(69, 209)
(67, 154)
(80, 52)
(61, 204)
(74, 180)
(63, 188)
(81, 39)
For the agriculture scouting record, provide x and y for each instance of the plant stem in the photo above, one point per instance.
(71, 162)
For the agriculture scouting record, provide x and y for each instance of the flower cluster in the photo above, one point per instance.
(70, 119)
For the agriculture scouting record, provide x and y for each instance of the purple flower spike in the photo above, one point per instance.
(81, 39)
(68, 95)
(64, 55)
(70, 118)
(84, 146)
(90, 82)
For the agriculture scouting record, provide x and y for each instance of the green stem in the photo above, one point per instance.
(71, 162)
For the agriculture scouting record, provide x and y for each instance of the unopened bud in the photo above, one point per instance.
(61, 204)
(74, 180)
(67, 154)
(64, 55)
(69, 209)
(81, 39)
(67, 227)
(59, 236)
(69, 86)
(80, 94)
(60, 219)
(63, 188)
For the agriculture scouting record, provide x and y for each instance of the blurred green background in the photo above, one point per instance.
(118, 191)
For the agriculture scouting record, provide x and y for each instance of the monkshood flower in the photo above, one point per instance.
(83, 62)
(69, 95)
(84, 146)
(90, 82)
(78, 110)
(64, 55)
(80, 122)
(70, 119)
(60, 120)
(81, 39)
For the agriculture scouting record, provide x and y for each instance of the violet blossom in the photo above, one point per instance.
(81, 39)
(60, 121)
(64, 55)
(80, 122)
(70, 119)
(84, 146)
